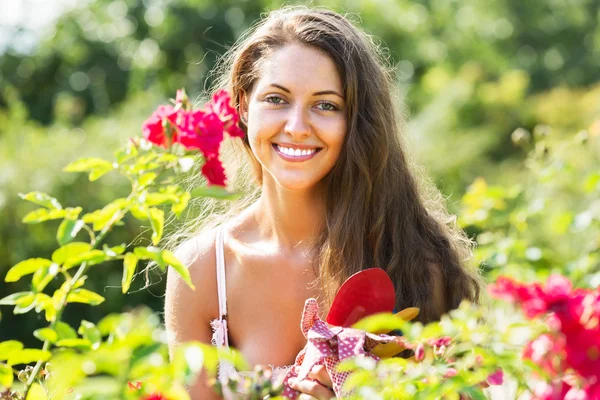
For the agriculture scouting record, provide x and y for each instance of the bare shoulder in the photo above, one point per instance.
(188, 312)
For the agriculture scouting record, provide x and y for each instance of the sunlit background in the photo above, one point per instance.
(483, 86)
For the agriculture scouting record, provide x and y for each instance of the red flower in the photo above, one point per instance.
(221, 105)
(214, 172)
(156, 128)
(202, 131)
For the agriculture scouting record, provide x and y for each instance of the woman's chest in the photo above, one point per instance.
(266, 297)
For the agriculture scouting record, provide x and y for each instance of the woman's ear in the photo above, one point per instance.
(244, 107)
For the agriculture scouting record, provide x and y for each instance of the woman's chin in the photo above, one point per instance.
(296, 183)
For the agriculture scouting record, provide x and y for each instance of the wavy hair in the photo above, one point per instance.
(380, 209)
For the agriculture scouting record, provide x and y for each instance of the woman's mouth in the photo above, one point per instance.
(295, 154)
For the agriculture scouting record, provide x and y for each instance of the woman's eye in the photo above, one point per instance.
(274, 99)
(327, 106)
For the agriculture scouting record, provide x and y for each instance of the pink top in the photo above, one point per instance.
(220, 337)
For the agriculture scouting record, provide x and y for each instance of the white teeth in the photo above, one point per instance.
(295, 152)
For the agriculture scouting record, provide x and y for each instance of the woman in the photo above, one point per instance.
(336, 195)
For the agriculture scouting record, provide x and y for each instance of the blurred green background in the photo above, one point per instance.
(490, 88)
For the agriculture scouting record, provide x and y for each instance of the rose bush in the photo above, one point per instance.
(543, 339)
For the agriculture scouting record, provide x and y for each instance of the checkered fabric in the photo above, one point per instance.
(328, 345)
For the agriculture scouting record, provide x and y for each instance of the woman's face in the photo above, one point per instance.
(296, 117)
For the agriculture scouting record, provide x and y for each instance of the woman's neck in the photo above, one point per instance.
(292, 219)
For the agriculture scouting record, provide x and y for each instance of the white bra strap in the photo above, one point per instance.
(221, 282)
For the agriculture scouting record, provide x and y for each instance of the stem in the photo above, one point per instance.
(63, 301)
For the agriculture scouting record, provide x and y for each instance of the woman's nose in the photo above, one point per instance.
(297, 124)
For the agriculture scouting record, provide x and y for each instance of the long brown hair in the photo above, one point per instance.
(379, 211)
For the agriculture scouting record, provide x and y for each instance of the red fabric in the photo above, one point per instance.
(328, 346)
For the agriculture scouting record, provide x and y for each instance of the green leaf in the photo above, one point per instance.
(97, 173)
(170, 259)
(181, 204)
(142, 352)
(41, 199)
(67, 230)
(12, 299)
(92, 257)
(6, 376)
(129, 265)
(8, 348)
(85, 296)
(110, 212)
(382, 322)
(109, 324)
(115, 250)
(155, 198)
(75, 342)
(43, 276)
(70, 251)
(26, 356)
(36, 393)
(44, 334)
(157, 221)
(147, 179)
(90, 332)
(25, 268)
(25, 304)
(149, 253)
(215, 191)
(64, 330)
(125, 153)
(46, 303)
(43, 214)
(88, 164)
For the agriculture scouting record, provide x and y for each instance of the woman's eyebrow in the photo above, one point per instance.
(323, 92)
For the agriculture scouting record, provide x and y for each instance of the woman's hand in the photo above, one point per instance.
(316, 386)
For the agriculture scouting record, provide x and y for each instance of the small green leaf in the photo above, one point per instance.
(8, 348)
(12, 299)
(25, 304)
(181, 204)
(46, 303)
(26, 356)
(147, 179)
(149, 253)
(112, 212)
(92, 257)
(25, 268)
(88, 164)
(383, 322)
(129, 265)
(157, 221)
(90, 332)
(6, 376)
(44, 334)
(69, 251)
(43, 276)
(170, 259)
(67, 230)
(115, 250)
(85, 296)
(64, 330)
(215, 191)
(75, 342)
(43, 214)
(97, 173)
(41, 199)
(142, 352)
(125, 153)
(109, 324)
(36, 393)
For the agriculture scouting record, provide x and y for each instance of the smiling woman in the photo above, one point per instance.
(335, 194)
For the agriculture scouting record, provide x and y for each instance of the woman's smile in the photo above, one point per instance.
(295, 153)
